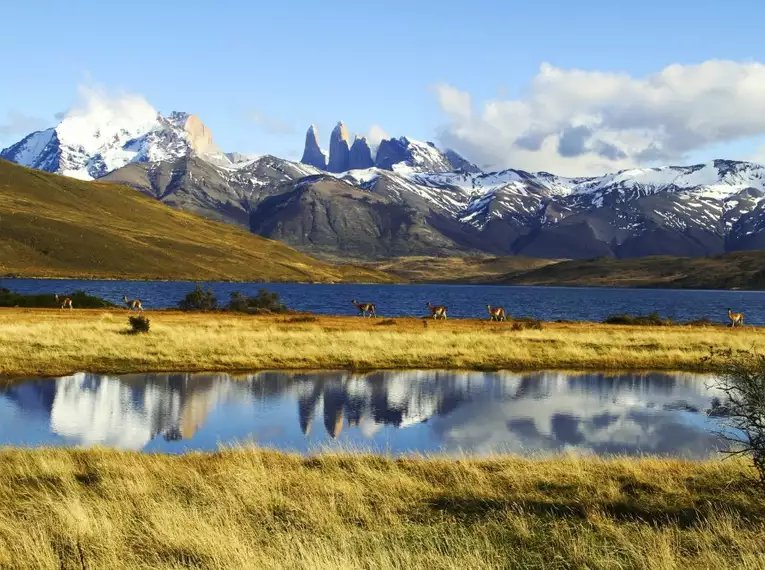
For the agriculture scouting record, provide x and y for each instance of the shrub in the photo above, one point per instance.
(523, 323)
(742, 409)
(265, 302)
(651, 319)
(303, 319)
(139, 324)
(80, 300)
(198, 300)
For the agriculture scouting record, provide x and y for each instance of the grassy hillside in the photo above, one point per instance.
(53, 226)
(248, 508)
(475, 269)
(740, 269)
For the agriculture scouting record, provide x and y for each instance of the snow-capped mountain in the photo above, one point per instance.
(410, 198)
(92, 144)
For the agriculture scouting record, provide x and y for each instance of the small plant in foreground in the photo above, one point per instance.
(139, 324)
(199, 300)
(742, 409)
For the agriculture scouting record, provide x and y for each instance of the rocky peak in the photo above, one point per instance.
(360, 155)
(339, 149)
(312, 153)
(200, 136)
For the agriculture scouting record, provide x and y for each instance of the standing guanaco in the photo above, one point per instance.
(736, 318)
(438, 312)
(66, 304)
(365, 308)
(133, 304)
(496, 313)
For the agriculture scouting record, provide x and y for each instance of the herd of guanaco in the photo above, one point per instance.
(498, 313)
(369, 309)
(132, 304)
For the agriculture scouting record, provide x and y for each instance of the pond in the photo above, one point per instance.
(388, 412)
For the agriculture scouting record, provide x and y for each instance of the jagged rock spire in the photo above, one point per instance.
(339, 149)
(312, 154)
(361, 154)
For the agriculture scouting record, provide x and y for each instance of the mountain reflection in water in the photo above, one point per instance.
(391, 412)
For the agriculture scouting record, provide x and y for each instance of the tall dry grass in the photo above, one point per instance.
(256, 509)
(49, 342)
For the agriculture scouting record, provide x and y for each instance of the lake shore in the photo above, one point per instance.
(49, 342)
(260, 509)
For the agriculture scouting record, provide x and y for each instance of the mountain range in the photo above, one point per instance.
(410, 197)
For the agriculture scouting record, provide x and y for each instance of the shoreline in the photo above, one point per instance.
(397, 281)
(51, 342)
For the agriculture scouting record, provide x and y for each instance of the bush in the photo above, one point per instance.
(139, 324)
(80, 300)
(303, 319)
(742, 409)
(199, 300)
(651, 319)
(526, 323)
(264, 303)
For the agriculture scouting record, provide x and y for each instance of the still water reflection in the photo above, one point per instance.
(388, 412)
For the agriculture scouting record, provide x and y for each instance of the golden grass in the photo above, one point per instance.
(54, 226)
(247, 508)
(51, 342)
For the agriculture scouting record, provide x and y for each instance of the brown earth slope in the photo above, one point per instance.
(53, 226)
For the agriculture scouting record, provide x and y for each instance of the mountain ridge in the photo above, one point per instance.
(415, 199)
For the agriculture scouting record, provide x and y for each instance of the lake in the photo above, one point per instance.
(385, 412)
(464, 301)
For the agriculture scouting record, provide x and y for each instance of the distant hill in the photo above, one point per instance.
(741, 269)
(56, 226)
(458, 270)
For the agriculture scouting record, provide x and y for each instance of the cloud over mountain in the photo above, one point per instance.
(584, 122)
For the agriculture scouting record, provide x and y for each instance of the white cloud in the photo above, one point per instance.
(375, 136)
(579, 122)
(97, 104)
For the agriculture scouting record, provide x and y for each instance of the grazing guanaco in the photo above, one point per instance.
(438, 312)
(66, 304)
(736, 318)
(133, 304)
(365, 308)
(496, 313)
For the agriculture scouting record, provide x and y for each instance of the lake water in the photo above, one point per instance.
(386, 412)
(545, 303)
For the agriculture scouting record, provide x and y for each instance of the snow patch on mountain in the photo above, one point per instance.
(101, 138)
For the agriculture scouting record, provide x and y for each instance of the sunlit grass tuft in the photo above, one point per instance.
(248, 508)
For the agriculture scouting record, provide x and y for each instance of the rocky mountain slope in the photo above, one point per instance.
(409, 197)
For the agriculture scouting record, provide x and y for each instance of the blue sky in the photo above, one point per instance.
(259, 73)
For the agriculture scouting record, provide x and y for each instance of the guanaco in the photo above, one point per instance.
(496, 313)
(438, 312)
(66, 304)
(736, 318)
(365, 308)
(133, 304)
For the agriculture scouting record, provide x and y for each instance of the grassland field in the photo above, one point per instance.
(46, 342)
(249, 508)
(252, 508)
